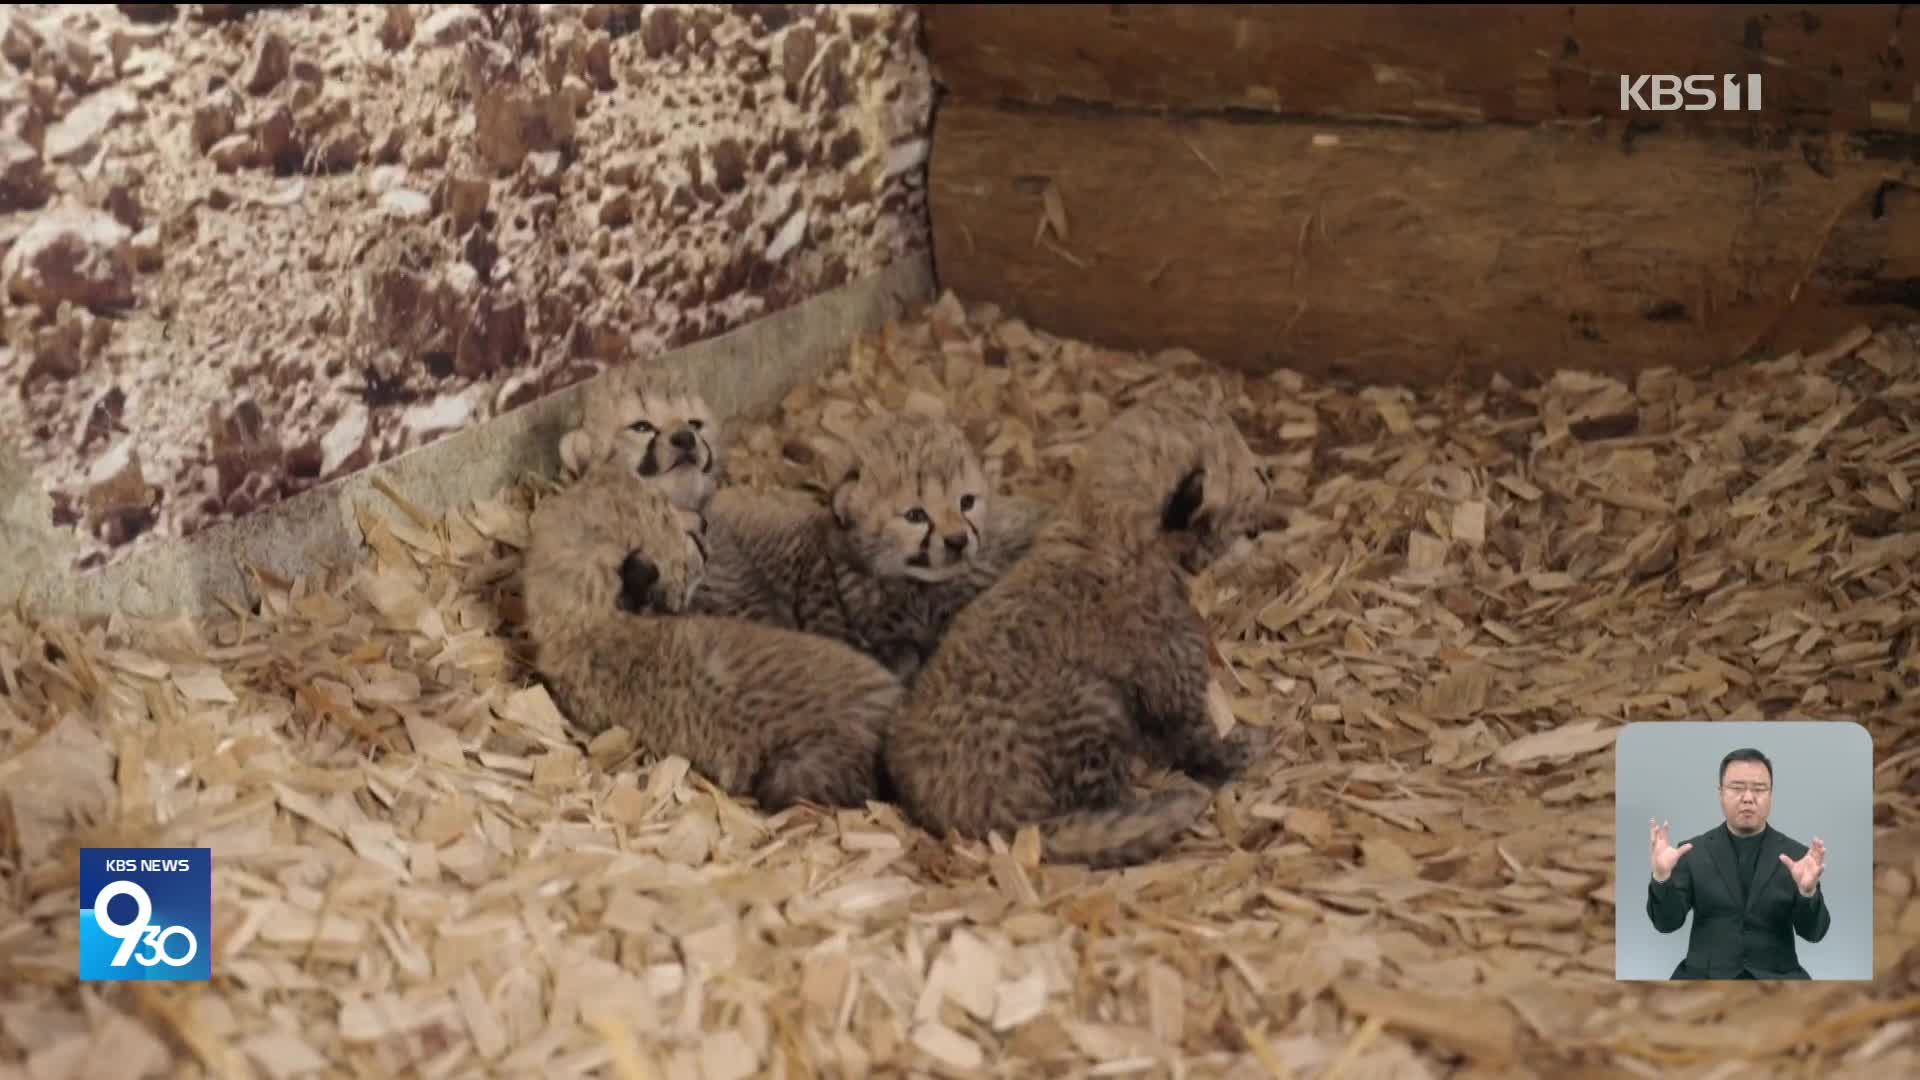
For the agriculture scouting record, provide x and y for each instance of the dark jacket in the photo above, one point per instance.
(1729, 936)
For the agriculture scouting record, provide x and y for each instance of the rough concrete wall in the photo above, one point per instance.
(250, 251)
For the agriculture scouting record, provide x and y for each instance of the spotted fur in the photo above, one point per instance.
(1089, 653)
(610, 573)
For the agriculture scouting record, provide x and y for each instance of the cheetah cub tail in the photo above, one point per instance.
(1123, 835)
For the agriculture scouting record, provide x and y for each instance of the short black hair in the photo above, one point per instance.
(1745, 753)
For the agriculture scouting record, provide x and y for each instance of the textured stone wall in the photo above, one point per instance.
(246, 251)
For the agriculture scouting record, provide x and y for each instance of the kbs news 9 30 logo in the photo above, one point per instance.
(145, 913)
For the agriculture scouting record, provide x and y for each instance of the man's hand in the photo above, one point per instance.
(1665, 855)
(1806, 872)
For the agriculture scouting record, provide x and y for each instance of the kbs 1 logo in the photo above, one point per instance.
(1695, 93)
(145, 914)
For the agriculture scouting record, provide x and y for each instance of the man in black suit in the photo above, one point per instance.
(1750, 889)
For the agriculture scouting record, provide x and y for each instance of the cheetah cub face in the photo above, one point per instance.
(653, 425)
(613, 542)
(912, 502)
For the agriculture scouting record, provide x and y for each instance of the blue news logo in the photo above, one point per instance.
(146, 913)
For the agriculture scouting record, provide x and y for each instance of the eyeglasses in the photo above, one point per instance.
(1741, 789)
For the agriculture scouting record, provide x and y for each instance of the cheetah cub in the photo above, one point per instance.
(1089, 651)
(653, 424)
(905, 540)
(779, 715)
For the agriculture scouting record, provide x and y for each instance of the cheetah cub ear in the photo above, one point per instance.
(843, 496)
(578, 453)
(1185, 501)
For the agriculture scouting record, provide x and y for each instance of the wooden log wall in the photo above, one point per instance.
(1409, 194)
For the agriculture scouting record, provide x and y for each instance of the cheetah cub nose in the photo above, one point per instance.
(637, 579)
(957, 543)
(683, 439)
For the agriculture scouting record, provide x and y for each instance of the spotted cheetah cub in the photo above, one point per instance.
(1089, 651)
(905, 540)
(651, 422)
(779, 715)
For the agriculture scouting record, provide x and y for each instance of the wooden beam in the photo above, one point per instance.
(1830, 67)
(1406, 254)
